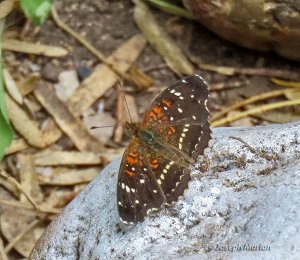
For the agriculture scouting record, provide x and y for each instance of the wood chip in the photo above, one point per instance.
(22, 123)
(68, 123)
(64, 177)
(28, 178)
(33, 48)
(55, 158)
(103, 77)
(160, 40)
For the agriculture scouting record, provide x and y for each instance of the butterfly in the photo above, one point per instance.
(155, 168)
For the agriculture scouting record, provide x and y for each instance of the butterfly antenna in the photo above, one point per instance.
(124, 97)
(104, 126)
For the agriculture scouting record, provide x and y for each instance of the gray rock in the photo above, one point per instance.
(245, 206)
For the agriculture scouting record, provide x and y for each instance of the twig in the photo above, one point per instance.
(118, 129)
(254, 111)
(13, 242)
(230, 71)
(18, 204)
(13, 181)
(86, 44)
(248, 101)
(217, 87)
(3, 254)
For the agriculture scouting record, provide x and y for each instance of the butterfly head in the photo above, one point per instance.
(131, 129)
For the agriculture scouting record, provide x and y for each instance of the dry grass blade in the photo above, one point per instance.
(288, 84)
(160, 40)
(55, 158)
(33, 48)
(248, 101)
(6, 7)
(103, 78)
(27, 127)
(254, 111)
(69, 124)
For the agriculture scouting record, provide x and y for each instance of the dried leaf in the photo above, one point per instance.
(51, 132)
(12, 88)
(16, 146)
(68, 123)
(103, 77)
(6, 7)
(160, 40)
(27, 127)
(33, 48)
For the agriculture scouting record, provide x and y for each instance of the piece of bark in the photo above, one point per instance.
(249, 196)
(68, 123)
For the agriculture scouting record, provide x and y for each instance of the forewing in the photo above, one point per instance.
(138, 190)
(179, 116)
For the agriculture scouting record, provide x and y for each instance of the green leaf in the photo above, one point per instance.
(36, 10)
(6, 132)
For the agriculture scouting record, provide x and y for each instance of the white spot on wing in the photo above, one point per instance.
(142, 181)
(194, 117)
(171, 118)
(179, 110)
(177, 94)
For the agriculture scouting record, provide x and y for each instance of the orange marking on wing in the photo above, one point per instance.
(131, 160)
(171, 130)
(167, 103)
(155, 161)
(154, 166)
(129, 173)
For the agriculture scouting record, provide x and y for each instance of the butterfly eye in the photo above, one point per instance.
(146, 136)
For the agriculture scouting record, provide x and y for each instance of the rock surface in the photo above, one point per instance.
(246, 205)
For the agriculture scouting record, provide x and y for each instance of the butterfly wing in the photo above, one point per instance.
(179, 116)
(138, 190)
(148, 178)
